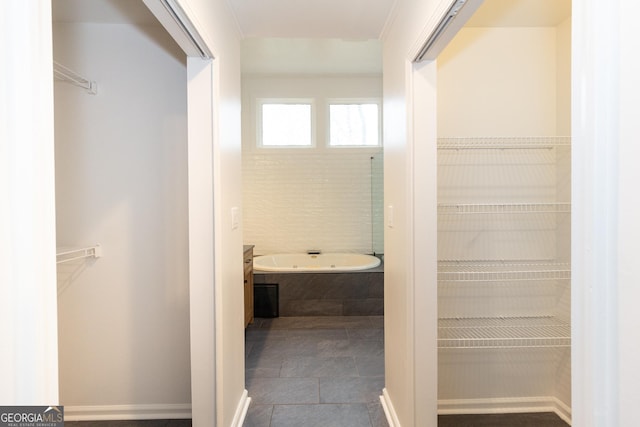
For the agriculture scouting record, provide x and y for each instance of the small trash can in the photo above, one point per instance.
(265, 300)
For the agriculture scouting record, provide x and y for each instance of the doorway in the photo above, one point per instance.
(503, 224)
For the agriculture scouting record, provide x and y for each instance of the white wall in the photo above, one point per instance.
(628, 245)
(28, 324)
(316, 56)
(606, 238)
(563, 78)
(410, 337)
(498, 82)
(521, 83)
(121, 171)
(307, 198)
(218, 395)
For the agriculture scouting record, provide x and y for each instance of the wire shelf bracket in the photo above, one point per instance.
(63, 74)
(73, 254)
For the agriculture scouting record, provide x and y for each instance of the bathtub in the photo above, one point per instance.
(329, 262)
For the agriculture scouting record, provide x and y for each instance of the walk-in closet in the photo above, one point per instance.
(504, 214)
(121, 213)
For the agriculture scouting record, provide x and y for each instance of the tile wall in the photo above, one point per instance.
(295, 200)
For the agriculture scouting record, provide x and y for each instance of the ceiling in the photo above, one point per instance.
(102, 12)
(347, 19)
(341, 19)
(520, 13)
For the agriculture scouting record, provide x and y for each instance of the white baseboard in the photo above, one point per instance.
(486, 406)
(241, 410)
(389, 410)
(563, 411)
(146, 412)
(505, 405)
(127, 412)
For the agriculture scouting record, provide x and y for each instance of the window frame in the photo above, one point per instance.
(353, 101)
(260, 102)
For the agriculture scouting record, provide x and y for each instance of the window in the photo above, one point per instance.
(353, 124)
(285, 123)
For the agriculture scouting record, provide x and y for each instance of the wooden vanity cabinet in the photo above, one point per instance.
(248, 285)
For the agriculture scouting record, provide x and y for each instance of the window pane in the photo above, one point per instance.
(286, 125)
(353, 124)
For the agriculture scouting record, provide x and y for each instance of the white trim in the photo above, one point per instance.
(447, 34)
(422, 99)
(127, 412)
(391, 18)
(505, 405)
(447, 27)
(496, 406)
(205, 329)
(180, 23)
(389, 410)
(241, 410)
(236, 21)
(563, 410)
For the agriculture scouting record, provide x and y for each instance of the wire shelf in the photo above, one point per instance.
(73, 254)
(492, 143)
(501, 271)
(504, 208)
(63, 74)
(514, 319)
(503, 332)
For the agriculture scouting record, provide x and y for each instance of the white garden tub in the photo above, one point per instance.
(329, 262)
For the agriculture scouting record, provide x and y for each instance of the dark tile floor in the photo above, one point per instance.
(315, 371)
(502, 420)
(497, 420)
(129, 423)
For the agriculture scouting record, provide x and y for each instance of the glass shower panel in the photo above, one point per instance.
(377, 203)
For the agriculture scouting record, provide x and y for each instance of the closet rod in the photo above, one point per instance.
(72, 254)
(62, 73)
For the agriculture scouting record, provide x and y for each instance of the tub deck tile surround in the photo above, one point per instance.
(358, 293)
(311, 307)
